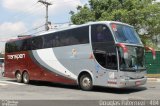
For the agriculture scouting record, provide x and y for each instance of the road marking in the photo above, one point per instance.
(158, 80)
(1, 84)
(154, 79)
(9, 82)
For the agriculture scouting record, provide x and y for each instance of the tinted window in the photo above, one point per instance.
(48, 41)
(11, 47)
(125, 34)
(26, 45)
(74, 36)
(103, 45)
(36, 43)
(101, 33)
(81, 35)
(56, 39)
(19, 45)
(134, 61)
(67, 37)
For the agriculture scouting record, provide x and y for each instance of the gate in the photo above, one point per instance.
(153, 66)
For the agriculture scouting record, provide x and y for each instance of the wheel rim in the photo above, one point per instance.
(18, 76)
(25, 77)
(86, 82)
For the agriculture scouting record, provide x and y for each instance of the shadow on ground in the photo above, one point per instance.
(95, 89)
(119, 90)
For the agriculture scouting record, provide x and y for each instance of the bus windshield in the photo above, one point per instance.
(135, 60)
(125, 34)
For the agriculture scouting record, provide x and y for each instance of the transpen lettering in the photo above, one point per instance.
(16, 56)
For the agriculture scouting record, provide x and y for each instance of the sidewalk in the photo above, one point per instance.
(153, 79)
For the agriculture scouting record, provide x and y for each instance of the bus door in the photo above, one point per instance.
(103, 46)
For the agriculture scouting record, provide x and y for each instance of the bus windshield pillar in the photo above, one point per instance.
(124, 48)
(152, 50)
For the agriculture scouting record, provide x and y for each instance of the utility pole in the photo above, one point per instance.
(46, 5)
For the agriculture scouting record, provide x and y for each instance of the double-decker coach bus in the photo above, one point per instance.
(106, 53)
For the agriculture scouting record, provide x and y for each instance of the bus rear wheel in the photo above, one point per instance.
(25, 77)
(19, 77)
(86, 82)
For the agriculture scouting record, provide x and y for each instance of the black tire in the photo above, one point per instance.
(86, 82)
(25, 77)
(19, 77)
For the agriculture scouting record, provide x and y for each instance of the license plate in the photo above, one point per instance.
(138, 83)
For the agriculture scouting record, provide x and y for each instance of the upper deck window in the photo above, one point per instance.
(101, 33)
(74, 36)
(125, 34)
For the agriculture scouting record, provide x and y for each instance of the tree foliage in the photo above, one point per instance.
(142, 14)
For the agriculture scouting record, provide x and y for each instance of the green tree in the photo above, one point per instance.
(84, 15)
(142, 14)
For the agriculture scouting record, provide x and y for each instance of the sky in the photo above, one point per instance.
(22, 16)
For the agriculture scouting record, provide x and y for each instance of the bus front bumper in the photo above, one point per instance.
(123, 83)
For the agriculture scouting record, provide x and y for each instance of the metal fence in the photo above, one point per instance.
(153, 66)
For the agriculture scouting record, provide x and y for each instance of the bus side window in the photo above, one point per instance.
(37, 43)
(103, 46)
(101, 33)
(111, 62)
(7, 50)
(82, 34)
(24, 45)
(73, 37)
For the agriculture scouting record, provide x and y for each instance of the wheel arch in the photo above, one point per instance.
(25, 70)
(17, 71)
(85, 72)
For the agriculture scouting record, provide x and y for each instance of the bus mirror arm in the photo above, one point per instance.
(152, 50)
(124, 48)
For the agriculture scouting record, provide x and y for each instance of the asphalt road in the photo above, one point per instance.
(11, 90)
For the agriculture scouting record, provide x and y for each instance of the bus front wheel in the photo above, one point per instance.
(86, 82)
(19, 77)
(25, 77)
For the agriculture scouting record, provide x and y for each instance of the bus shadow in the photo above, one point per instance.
(51, 84)
(95, 89)
(119, 90)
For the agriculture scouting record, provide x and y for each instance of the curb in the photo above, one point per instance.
(153, 79)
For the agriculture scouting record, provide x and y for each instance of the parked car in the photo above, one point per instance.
(2, 66)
